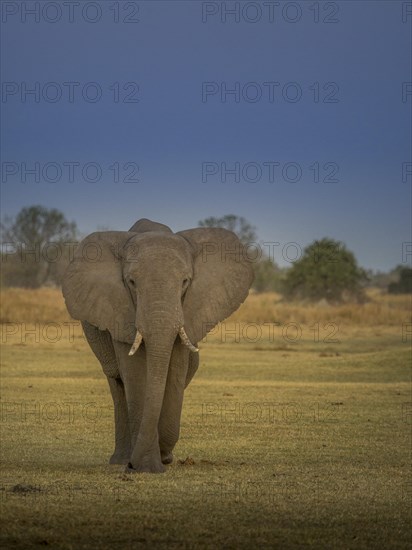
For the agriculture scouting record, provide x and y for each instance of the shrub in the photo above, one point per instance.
(327, 269)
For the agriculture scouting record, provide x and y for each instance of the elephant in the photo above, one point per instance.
(145, 298)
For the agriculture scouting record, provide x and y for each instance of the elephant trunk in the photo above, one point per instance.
(158, 331)
(159, 319)
(146, 453)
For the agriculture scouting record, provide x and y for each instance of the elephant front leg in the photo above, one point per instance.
(133, 372)
(122, 449)
(169, 422)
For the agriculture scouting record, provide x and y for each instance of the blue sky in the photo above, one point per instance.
(336, 113)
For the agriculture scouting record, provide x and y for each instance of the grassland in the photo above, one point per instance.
(296, 433)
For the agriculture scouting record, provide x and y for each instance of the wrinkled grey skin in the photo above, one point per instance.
(154, 281)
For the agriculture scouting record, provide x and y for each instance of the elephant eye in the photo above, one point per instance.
(131, 281)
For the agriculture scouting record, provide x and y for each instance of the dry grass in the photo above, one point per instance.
(303, 445)
(46, 305)
(380, 309)
(43, 305)
(287, 450)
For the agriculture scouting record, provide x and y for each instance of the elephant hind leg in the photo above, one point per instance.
(122, 449)
(101, 344)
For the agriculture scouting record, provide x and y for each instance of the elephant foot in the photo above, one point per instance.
(119, 459)
(167, 457)
(145, 468)
(146, 459)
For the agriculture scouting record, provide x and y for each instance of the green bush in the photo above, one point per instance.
(268, 277)
(404, 284)
(327, 269)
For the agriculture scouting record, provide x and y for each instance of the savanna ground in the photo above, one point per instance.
(296, 433)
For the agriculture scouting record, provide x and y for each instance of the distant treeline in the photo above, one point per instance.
(39, 243)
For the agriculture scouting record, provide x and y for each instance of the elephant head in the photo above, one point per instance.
(154, 286)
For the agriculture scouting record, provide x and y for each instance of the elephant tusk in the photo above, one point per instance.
(136, 343)
(185, 339)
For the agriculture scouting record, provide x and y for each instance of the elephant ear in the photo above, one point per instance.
(93, 285)
(221, 279)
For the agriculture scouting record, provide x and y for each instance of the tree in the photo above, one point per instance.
(327, 269)
(34, 247)
(239, 225)
(404, 283)
(268, 276)
(267, 273)
(382, 280)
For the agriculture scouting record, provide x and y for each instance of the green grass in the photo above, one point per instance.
(290, 446)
